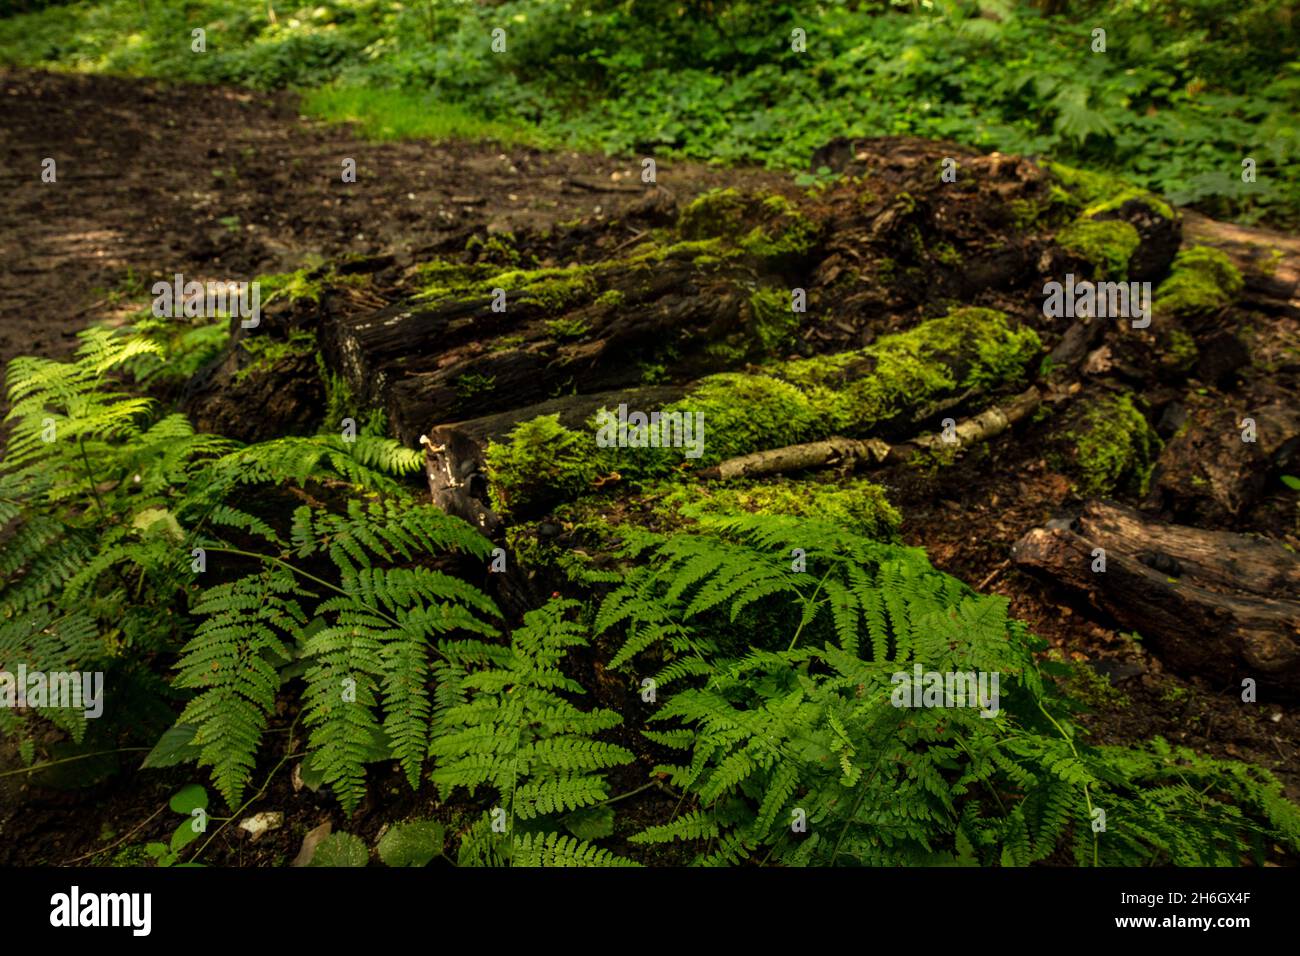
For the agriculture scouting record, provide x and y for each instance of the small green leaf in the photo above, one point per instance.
(1292, 482)
(158, 519)
(590, 823)
(173, 748)
(184, 835)
(413, 843)
(189, 798)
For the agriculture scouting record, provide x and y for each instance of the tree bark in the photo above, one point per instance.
(1211, 603)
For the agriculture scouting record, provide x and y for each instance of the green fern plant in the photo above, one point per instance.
(796, 751)
(503, 721)
(112, 512)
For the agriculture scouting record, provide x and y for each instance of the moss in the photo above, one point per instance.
(771, 319)
(1180, 349)
(498, 248)
(1052, 207)
(1114, 448)
(745, 412)
(968, 348)
(790, 402)
(294, 286)
(857, 504)
(1203, 279)
(764, 226)
(1098, 193)
(1108, 244)
(472, 383)
(610, 297)
(554, 289)
(506, 342)
(566, 327)
(264, 352)
(541, 461)
(946, 254)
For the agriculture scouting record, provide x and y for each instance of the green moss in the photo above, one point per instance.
(1114, 448)
(968, 348)
(566, 327)
(265, 352)
(611, 297)
(541, 461)
(1099, 193)
(1180, 349)
(495, 248)
(1203, 279)
(746, 412)
(472, 383)
(293, 286)
(946, 254)
(772, 321)
(789, 402)
(764, 226)
(1108, 244)
(856, 504)
(554, 289)
(1052, 207)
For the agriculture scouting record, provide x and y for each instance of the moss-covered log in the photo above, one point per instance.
(883, 389)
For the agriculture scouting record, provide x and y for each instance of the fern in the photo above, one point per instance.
(794, 750)
(107, 503)
(509, 727)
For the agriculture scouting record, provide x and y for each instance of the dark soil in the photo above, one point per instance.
(224, 184)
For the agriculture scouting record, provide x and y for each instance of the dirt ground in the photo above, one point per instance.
(225, 184)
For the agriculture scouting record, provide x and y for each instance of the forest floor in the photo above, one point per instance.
(211, 182)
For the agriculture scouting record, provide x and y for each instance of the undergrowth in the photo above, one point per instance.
(224, 588)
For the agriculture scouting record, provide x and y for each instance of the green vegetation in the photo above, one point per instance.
(857, 504)
(850, 393)
(1181, 94)
(1202, 280)
(770, 639)
(1106, 244)
(1114, 448)
(785, 708)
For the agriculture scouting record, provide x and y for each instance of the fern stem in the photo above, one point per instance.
(1069, 742)
(630, 793)
(54, 763)
(90, 477)
(805, 620)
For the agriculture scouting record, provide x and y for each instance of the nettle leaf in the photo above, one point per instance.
(341, 849)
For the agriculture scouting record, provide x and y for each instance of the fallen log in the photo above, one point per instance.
(1215, 604)
(456, 453)
(875, 391)
(1207, 472)
(1269, 261)
(457, 357)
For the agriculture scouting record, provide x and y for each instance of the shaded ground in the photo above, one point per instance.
(223, 184)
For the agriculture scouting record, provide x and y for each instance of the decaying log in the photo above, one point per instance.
(456, 453)
(1219, 605)
(458, 358)
(1269, 261)
(1208, 473)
